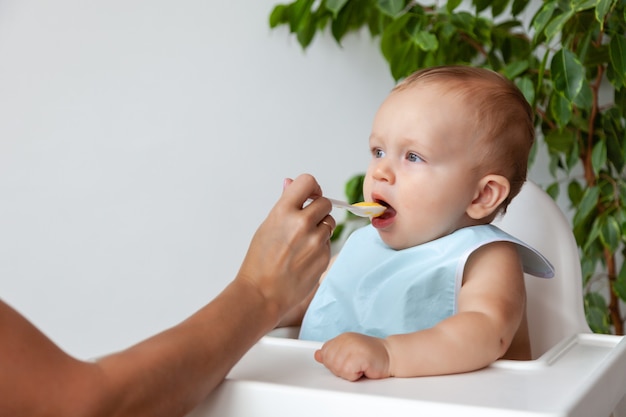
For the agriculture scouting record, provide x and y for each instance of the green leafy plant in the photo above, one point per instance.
(569, 60)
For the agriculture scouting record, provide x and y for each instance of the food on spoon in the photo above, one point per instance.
(374, 213)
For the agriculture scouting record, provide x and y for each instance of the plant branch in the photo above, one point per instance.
(614, 308)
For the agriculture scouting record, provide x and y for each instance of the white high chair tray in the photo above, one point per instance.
(582, 376)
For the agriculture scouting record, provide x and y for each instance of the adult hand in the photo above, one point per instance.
(291, 248)
(354, 355)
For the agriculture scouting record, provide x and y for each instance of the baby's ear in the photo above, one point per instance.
(490, 193)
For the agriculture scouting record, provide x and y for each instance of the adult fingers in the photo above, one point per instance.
(297, 192)
(328, 222)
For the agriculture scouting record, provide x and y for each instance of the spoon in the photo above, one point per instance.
(362, 209)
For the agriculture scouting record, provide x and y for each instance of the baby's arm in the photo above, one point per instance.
(490, 308)
(295, 315)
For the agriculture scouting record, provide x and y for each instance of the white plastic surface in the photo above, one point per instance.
(584, 376)
(555, 306)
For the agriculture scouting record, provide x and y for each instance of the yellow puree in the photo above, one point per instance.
(370, 204)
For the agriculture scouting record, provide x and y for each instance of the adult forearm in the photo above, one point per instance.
(168, 374)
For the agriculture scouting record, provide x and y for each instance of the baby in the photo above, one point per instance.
(431, 287)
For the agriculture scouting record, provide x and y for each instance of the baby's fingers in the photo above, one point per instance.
(353, 355)
(339, 363)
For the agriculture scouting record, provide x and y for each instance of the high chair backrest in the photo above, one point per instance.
(555, 305)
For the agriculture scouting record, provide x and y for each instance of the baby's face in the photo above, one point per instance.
(424, 165)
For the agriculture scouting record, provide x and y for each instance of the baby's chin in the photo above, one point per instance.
(398, 242)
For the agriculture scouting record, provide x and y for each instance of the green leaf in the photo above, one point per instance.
(498, 7)
(617, 52)
(610, 233)
(391, 36)
(622, 199)
(452, 5)
(278, 15)
(580, 5)
(598, 320)
(619, 287)
(588, 268)
(298, 13)
(337, 231)
(554, 164)
(591, 235)
(615, 79)
(481, 5)
(335, 6)
(596, 312)
(306, 31)
(527, 88)
(514, 69)
(403, 60)
(518, 6)
(561, 110)
(594, 299)
(340, 25)
(619, 98)
(463, 21)
(391, 8)
(587, 204)
(560, 141)
(573, 156)
(585, 48)
(567, 74)
(426, 41)
(598, 157)
(542, 72)
(553, 190)
(603, 7)
(556, 25)
(482, 31)
(354, 189)
(615, 137)
(584, 99)
(542, 17)
(574, 192)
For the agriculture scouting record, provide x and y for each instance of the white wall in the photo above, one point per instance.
(141, 144)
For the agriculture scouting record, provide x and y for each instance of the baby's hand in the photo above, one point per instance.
(353, 355)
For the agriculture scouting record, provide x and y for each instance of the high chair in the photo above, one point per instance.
(554, 306)
(574, 372)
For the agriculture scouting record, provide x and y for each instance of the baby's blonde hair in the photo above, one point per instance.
(502, 118)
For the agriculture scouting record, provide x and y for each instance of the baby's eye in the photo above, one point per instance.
(378, 153)
(413, 157)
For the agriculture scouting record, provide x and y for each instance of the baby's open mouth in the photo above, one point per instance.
(390, 212)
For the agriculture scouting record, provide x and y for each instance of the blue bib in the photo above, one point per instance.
(378, 291)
